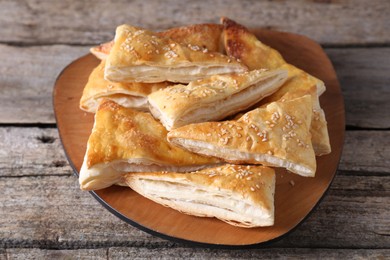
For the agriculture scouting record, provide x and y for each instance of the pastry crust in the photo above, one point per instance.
(132, 95)
(213, 98)
(239, 195)
(126, 140)
(276, 135)
(140, 55)
(243, 45)
(206, 36)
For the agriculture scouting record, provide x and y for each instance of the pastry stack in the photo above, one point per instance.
(197, 117)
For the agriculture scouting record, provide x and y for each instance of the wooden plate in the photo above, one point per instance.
(295, 196)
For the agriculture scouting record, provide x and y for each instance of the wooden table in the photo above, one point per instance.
(43, 214)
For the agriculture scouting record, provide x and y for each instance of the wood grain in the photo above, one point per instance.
(54, 213)
(191, 253)
(269, 253)
(35, 253)
(31, 86)
(28, 76)
(91, 22)
(31, 152)
(364, 77)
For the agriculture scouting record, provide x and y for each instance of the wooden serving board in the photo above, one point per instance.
(295, 196)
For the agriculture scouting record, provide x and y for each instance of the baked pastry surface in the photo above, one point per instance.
(275, 135)
(213, 98)
(143, 56)
(131, 94)
(239, 195)
(206, 36)
(243, 45)
(126, 140)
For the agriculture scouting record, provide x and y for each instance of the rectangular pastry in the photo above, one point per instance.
(275, 135)
(143, 56)
(213, 98)
(206, 36)
(132, 95)
(239, 195)
(126, 140)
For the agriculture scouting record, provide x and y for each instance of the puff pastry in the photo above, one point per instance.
(214, 97)
(239, 195)
(126, 140)
(276, 135)
(242, 44)
(132, 95)
(140, 55)
(206, 36)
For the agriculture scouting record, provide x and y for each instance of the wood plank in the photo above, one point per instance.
(90, 22)
(364, 77)
(32, 151)
(366, 151)
(30, 73)
(56, 214)
(38, 151)
(36, 253)
(267, 253)
(363, 82)
(195, 253)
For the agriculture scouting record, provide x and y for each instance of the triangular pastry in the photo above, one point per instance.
(140, 55)
(131, 94)
(213, 98)
(276, 135)
(243, 45)
(205, 36)
(239, 195)
(318, 128)
(126, 140)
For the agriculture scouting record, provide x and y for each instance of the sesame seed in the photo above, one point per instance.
(292, 183)
(252, 189)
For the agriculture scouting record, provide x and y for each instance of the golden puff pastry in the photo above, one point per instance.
(254, 54)
(101, 51)
(239, 195)
(295, 88)
(213, 98)
(243, 45)
(206, 36)
(132, 95)
(140, 55)
(276, 135)
(126, 140)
